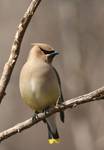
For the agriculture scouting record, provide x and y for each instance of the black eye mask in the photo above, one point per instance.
(46, 52)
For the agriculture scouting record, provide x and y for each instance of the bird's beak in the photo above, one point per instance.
(51, 55)
(54, 53)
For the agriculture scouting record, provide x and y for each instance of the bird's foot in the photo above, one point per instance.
(45, 111)
(35, 116)
(59, 103)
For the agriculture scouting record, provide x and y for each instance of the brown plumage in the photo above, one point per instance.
(39, 82)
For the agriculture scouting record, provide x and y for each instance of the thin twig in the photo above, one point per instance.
(92, 96)
(8, 68)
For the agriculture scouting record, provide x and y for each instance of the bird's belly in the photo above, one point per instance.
(40, 96)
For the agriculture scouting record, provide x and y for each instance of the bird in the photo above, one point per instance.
(40, 85)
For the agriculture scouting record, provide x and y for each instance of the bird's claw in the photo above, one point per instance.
(59, 105)
(35, 116)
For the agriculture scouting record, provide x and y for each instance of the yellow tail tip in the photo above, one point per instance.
(54, 141)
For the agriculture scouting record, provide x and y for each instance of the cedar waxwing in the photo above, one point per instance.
(40, 85)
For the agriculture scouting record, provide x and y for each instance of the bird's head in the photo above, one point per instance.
(43, 52)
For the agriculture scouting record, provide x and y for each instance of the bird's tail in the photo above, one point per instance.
(53, 136)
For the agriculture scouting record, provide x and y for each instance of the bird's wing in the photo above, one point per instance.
(61, 99)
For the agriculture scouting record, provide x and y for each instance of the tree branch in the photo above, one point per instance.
(92, 96)
(8, 68)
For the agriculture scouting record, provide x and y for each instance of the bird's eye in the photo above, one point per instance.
(46, 52)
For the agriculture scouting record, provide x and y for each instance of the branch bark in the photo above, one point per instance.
(92, 96)
(8, 68)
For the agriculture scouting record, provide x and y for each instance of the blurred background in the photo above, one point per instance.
(76, 28)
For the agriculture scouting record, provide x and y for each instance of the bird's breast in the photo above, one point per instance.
(41, 88)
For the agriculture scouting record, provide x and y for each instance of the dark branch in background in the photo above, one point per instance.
(8, 68)
(93, 96)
